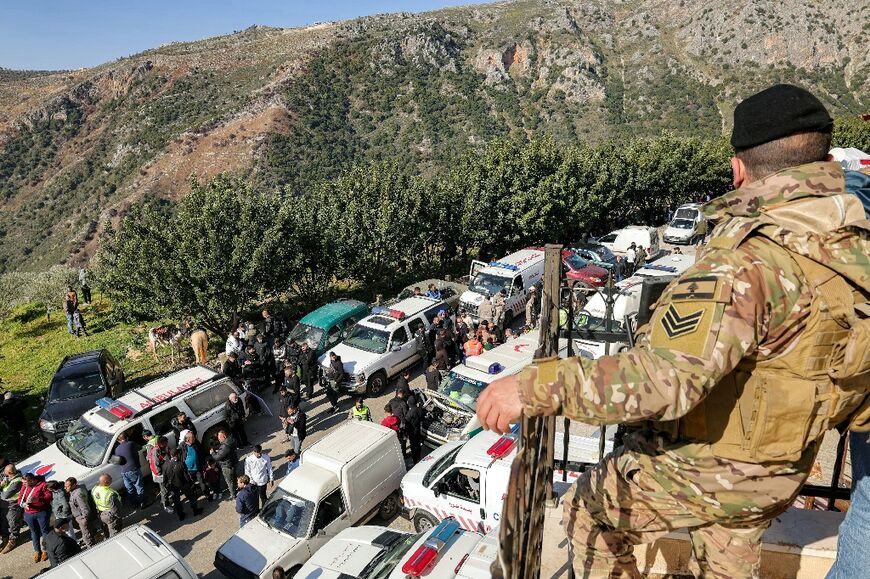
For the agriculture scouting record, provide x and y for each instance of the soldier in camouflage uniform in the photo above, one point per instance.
(750, 356)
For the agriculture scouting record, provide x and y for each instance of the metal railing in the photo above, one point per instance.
(833, 492)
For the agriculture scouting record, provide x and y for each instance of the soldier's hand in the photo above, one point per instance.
(499, 405)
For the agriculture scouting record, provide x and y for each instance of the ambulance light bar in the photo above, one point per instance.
(504, 445)
(503, 265)
(115, 408)
(426, 554)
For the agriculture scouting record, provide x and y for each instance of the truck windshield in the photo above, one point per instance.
(305, 333)
(385, 562)
(682, 224)
(85, 444)
(587, 321)
(441, 465)
(368, 339)
(686, 214)
(462, 390)
(75, 385)
(486, 283)
(287, 513)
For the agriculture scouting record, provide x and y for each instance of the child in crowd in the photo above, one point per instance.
(212, 477)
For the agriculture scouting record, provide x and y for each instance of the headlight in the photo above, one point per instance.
(360, 376)
(46, 425)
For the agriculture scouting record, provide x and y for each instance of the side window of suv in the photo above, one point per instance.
(210, 398)
(160, 421)
(333, 336)
(400, 336)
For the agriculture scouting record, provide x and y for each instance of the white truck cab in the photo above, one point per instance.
(450, 410)
(442, 552)
(85, 452)
(136, 553)
(641, 235)
(515, 273)
(344, 479)
(626, 305)
(468, 480)
(381, 345)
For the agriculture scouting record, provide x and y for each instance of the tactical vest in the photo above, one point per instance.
(770, 410)
(103, 497)
(16, 479)
(361, 413)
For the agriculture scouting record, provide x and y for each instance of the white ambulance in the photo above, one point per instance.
(451, 410)
(468, 480)
(515, 273)
(85, 452)
(625, 306)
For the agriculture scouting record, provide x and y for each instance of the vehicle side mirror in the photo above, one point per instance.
(116, 460)
(396, 348)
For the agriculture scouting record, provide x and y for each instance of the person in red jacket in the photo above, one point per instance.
(389, 420)
(35, 499)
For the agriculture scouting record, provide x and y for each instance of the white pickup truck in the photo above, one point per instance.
(346, 478)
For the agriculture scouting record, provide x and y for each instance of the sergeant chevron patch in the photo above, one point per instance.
(676, 325)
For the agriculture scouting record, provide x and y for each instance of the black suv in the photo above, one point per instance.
(79, 382)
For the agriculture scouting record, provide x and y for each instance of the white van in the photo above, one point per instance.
(687, 225)
(626, 305)
(136, 553)
(641, 235)
(450, 410)
(515, 273)
(85, 451)
(344, 479)
(468, 480)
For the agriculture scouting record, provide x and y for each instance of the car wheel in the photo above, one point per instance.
(377, 383)
(424, 522)
(389, 507)
(209, 439)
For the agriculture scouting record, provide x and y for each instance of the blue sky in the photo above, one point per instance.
(68, 34)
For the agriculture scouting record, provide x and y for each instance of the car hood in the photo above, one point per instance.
(353, 359)
(69, 408)
(344, 556)
(445, 403)
(471, 297)
(51, 463)
(675, 232)
(256, 547)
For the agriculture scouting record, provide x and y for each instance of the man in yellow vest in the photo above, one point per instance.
(11, 512)
(360, 411)
(750, 356)
(108, 503)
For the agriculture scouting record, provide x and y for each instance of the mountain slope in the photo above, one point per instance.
(294, 106)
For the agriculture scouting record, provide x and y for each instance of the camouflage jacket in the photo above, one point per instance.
(754, 302)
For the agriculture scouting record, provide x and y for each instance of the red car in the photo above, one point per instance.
(581, 272)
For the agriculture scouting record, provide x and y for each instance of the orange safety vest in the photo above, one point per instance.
(473, 348)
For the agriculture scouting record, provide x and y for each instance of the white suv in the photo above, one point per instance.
(381, 345)
(85, 452)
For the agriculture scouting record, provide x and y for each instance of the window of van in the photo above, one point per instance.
(431, 313)
(440, 466)
(686, 214)
(400, 336)
(462, 483)
(329, 510)
(210, 398)
(517, 286)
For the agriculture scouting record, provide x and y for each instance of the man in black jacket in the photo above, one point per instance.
(179, 481)
(297, 424)
(308, 365)
(399, 405)
(59, 545)
(231, 368)
(413, 428)
(226, 457)
(433, 377)
(181, 423)
(247, 503)
(336, 375)
(234, 416)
